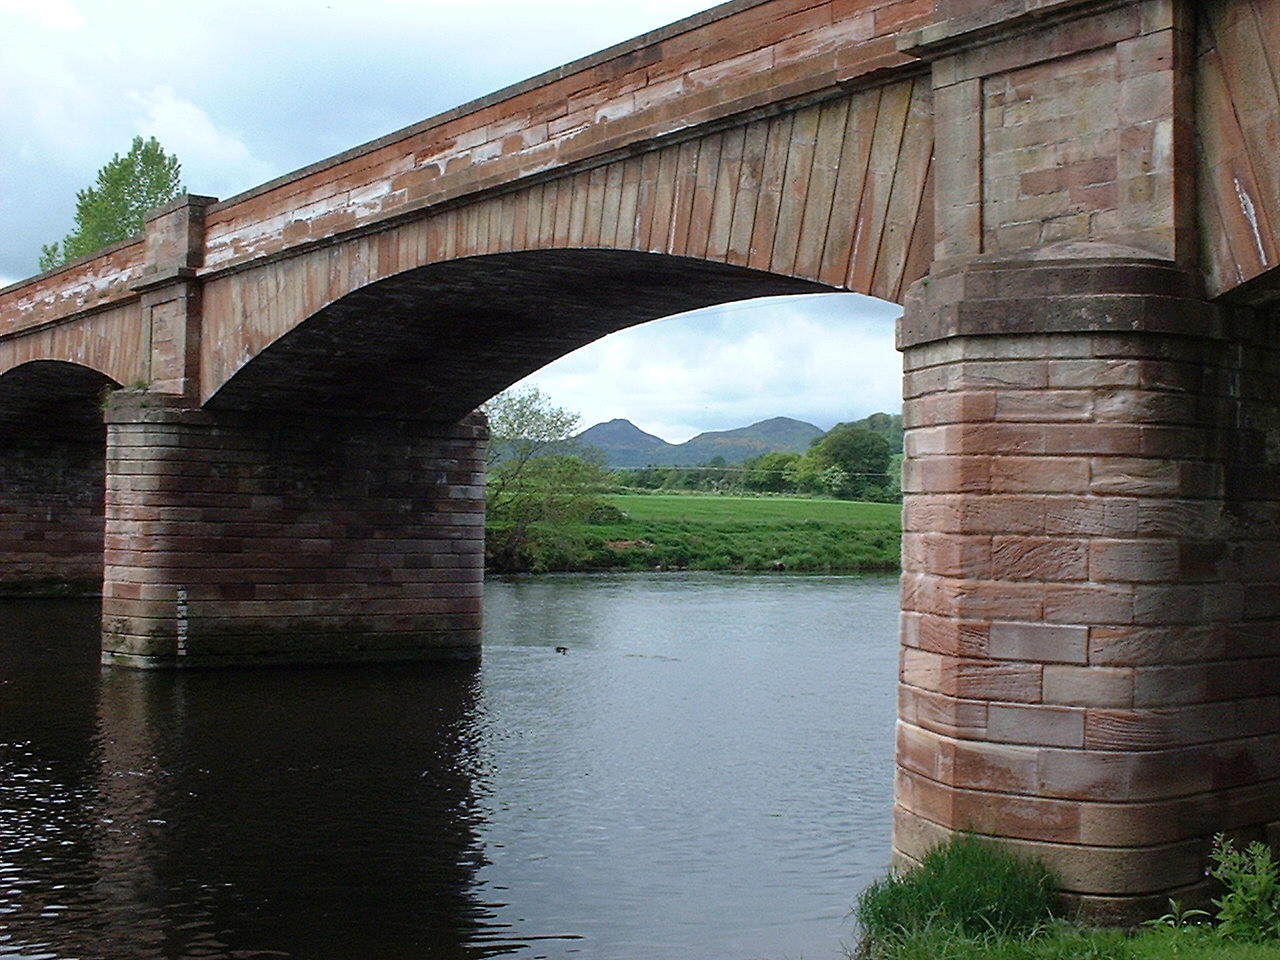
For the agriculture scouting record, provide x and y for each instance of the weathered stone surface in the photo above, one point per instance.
(1091, 559)
(1134, 710)
(233, 539)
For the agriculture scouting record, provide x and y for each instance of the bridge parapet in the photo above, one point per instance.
(736, 62)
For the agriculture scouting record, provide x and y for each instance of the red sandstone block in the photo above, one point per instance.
(945, 635)
(1134, 561)
(1089, 686)
(1099, 170)
(971, 679)
(948, 474)
(1000, 375)
(940, 713)
(1132, 476)
(1180, 519)
(1037, 642)
(947, 555)
(1087, 374)
(1040, 475)
(1088, 603)
(961, 407)
(1106, 775)
(1146, 97)
(1001, 514)
(1043, 406)
(1203, 682)
(1092, 439)
(1200, 603)
(917, 751)
(1037, 725)
(989, 813)
(1035, 558)
(1142, 729)
(1150, 53)
(1004, 768)
(1151, 645)
(1088, 516)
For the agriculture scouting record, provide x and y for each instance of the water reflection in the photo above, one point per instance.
(316, 814)
(705, 773)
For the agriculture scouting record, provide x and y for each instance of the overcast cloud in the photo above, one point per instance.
(245, 91)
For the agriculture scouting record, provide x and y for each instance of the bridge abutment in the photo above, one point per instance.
(238, 538)
(1090, 667)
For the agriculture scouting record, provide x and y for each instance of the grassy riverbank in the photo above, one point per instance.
(971, 900)
(711, 533)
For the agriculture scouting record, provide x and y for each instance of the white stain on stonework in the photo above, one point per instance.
(1251, 214)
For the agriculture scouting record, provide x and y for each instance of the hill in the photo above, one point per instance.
(626, 445)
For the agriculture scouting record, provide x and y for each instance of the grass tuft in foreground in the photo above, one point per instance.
(969, 900)
(967, 886)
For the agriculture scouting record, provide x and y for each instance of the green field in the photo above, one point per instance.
(709, 532)
(717, 509)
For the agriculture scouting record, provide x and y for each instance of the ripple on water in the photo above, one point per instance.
(705, 773)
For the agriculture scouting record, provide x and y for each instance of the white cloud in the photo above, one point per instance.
(50, 14)
(816, 358)
(214, 159)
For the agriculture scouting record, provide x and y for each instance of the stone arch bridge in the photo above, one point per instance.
(1078, 202)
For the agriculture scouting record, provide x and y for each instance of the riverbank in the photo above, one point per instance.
(690, 532)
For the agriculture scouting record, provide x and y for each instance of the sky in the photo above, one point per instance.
(246, 91)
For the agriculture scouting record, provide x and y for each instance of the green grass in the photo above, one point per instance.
(969, 886)
(1064, 941)
(720, 509)
(713, 532)
(970, 900)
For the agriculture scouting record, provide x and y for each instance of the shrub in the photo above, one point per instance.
(968, 886)
(1250, 908)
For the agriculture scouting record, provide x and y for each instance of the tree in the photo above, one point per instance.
(856, 451)
(769, 471)
(127, 187)
(541, 485)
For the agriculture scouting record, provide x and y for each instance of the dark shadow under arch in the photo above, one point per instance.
(437, 341)
(53, 400)
(53, 446)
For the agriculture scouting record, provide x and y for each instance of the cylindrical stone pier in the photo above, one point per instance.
(238, 539)
(1091, 572)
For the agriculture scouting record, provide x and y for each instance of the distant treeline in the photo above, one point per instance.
(861, 460)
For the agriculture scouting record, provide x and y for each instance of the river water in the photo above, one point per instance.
(706, 773)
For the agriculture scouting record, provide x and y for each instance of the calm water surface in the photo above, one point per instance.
(705, 774)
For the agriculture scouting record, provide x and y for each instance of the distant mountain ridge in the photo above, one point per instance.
(626, 445)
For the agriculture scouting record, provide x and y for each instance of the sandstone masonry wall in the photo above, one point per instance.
(1091, 575)
(240, 539)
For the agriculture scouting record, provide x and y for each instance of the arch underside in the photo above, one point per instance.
(436, 342)
(52, 400)
(52, 479)
(837, 193)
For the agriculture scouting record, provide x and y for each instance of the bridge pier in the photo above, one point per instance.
(237, 538)
(1091, 585)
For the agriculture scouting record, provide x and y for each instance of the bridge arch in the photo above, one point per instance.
(42, 399)
(837, 193)
(435, 342)
(54, 480)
